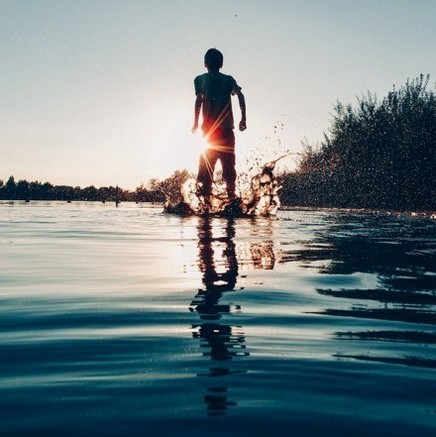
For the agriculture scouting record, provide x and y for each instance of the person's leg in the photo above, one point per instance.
(228, 161)
(206, 168)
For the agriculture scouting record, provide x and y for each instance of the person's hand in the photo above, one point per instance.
(242, 125)
(194, 128)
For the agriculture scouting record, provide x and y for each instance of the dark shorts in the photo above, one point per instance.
(222, 140)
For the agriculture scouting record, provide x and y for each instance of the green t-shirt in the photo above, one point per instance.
(216, 89)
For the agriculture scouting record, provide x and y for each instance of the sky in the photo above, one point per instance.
(100, 92)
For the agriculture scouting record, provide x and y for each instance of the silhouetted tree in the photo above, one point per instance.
(22, 190)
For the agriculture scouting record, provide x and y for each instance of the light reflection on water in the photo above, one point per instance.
(135, 320)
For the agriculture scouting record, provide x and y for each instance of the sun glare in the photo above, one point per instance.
(176, 148)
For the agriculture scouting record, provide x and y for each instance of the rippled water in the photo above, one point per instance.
(129, 321)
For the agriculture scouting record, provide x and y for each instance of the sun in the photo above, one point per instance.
(175, 148)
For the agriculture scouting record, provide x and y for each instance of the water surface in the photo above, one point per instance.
(128, 320)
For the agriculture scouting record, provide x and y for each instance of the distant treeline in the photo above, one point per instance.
(378, 154)
(155, 191)
(24, 190)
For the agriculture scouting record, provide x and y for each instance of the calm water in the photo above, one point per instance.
(127, 321)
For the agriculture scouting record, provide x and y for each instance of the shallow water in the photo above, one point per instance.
(127, 320)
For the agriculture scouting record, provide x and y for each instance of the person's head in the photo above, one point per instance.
(213, 59)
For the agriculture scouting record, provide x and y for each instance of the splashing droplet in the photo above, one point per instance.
(260, 197)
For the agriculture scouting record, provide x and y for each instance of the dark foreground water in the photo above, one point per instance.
(128, 321)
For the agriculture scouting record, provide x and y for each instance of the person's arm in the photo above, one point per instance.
(197, 109)
(243, 122)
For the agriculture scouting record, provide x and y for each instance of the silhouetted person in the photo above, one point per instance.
(213, 92)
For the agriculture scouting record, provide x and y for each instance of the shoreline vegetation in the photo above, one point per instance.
(378, 154)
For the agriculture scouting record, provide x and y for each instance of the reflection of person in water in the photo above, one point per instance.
(223, 341)
(206, 302)
(212, 280)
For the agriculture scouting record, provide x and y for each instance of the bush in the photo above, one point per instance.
(376, 154)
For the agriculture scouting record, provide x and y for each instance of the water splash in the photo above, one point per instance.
(260, 197)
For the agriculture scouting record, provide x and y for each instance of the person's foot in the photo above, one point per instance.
(234, 207)
(232, 196)
(201, 192)
(205, 203)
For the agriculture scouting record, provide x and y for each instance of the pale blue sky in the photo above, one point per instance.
(101, 91)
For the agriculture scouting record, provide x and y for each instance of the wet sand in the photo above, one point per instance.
(129, 321)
